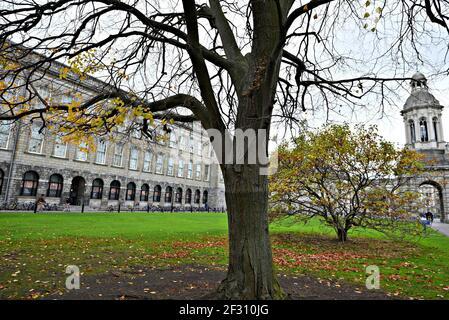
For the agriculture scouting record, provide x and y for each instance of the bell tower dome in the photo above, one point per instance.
(422, 117)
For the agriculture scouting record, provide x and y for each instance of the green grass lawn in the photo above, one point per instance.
(36, 248)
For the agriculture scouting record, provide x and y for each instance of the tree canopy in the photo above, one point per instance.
(348, 179)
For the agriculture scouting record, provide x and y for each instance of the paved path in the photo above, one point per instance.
(441, 227)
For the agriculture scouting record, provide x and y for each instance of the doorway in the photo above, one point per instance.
(77, 191)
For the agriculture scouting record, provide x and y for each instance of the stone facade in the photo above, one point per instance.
(185, 161)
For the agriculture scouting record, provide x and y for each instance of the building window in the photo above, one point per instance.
(412, 131)
(191, 144)
(197, 196)
(182, 143)
(181, 168)
(5, 128)
(144, 192)
(147, 161)
(168, 194)
(114, 190)
(101, 152)
(131, 191)
(188, 196)
(2, 177)
(173, 141)
(36, 139)
(60, 148)
(199, 148)
(170, 167)
(198, 172)
(435, 128)
(157, 193)
(178, 195)
(118, 155)
(211, 149)
(55, 186)
(159, 163)
(190, 170)
(205, 195)
(206, 172)
(133, 158)
(97, 189)
(423, 130)
(29, 184)
(81, 152)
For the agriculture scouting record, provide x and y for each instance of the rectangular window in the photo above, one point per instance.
(190, 170)
(181, 169)
(182, 142)
(66, 100)
(60, 148)
(191, 145)
(81, 152)
(118, 155)
(199, 148)
(170, 167)
(101, 152)
(173, 141)
(44, 92)
(36, 139)
(206, 172)
(5, 128)
(198, 172)
(147, 161)
(133, 158)
(159, 163)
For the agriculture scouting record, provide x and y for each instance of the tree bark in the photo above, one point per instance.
(250, 270)
(342, 235)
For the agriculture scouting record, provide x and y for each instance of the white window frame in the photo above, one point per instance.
(206, 172)
(170, 167)
(190, 170)
(147, 160)
(198, 172)
(134, 158)
(6, 132)
(101, 142)
(114, 162)
(181, 169)
(159, 164)
(172, 140)
(37, 126)
(58, 142)
(79, 152)
(191, 144)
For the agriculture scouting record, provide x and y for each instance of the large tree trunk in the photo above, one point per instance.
(250, 271)
(342, 235)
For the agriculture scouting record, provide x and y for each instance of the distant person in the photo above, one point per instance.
(40, 203)
(67, 205)
(429, 216)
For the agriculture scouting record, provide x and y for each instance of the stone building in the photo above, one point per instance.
(133, 172)
(422, 114)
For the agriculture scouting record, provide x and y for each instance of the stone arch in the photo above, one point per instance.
(440, 190)
(77, 190)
